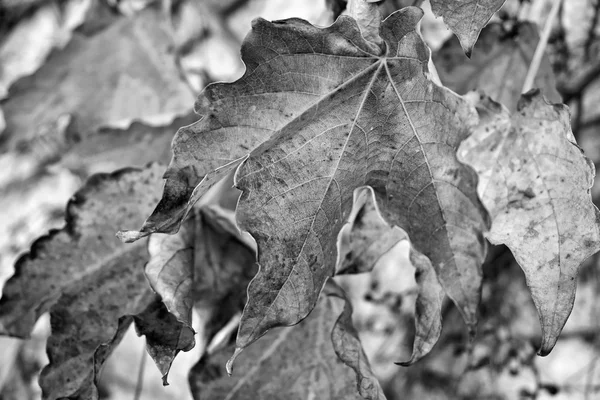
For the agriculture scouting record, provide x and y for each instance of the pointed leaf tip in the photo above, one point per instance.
(229, 365)
(466, 18)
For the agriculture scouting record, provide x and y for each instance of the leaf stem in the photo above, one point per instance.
(541, 48)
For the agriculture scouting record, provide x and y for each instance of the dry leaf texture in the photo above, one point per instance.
(87, 279)
(362, 243)
(380, 122)
(535, 181)
(206, 263)
(304, 358)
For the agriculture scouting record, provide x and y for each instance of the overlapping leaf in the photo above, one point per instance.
(207, 263)
(88, 280)
(365, 239)
(499, 64)
(466, 18)
(165, 335)
(536, 183)
(304, 359)
(387, 126)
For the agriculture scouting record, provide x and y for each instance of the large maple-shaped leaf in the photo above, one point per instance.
(121, 73)
(386, 126)
(466, 18)
(88, 280)
(535, 181)
(499, 64)
(365, 239)
(320, 358)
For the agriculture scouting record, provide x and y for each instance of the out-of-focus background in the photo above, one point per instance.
(91, 86)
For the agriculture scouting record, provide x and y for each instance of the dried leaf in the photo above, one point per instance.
(165, 335)
(498, 66)
(77, 350)
(386, 126)
(224, 262)
(122, 73)
(234, 122)
(466, 18)
(298, 362)
(207, 263)
(181, 191)
(83, 249)
(86, 278)
(368, 238)
(535, 181)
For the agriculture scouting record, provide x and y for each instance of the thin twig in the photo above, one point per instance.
(140, 379)
(541, 48)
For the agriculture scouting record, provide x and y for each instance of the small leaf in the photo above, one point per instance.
(299, 362)
(165, 335)
(208, 262)
(170, 270)
(498, 66)
(466, 18)
(367, 238)
(535, 181)
(181, 191)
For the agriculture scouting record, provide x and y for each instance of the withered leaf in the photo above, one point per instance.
(535, 182)
(386, 126)
(466, 18)
(299, 362)
(498, 66)
(365, 239)
(165, 335)
(208, 262)
(86, 278)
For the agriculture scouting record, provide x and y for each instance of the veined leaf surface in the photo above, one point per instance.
(535, 182)
(386, 125)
